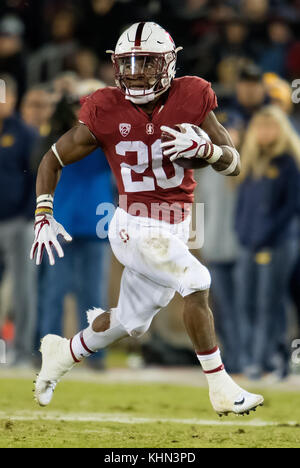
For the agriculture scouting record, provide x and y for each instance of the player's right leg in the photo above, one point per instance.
(59, 355)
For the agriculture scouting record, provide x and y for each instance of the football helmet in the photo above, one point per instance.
(144, 61)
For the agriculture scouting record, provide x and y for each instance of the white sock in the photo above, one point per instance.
(211, 363)
(213, 368)
(87, 341)
(79, 348)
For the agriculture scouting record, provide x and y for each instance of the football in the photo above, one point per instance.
(194, 163)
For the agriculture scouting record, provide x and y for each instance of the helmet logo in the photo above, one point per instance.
(124, 129)
(149, 128)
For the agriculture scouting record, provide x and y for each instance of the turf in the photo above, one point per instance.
(155, 401)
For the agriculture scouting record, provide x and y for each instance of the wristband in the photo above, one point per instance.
(233, 165)
(45, 200)
(44, 197)
(43, 210)
(44, 204)
(214, 154)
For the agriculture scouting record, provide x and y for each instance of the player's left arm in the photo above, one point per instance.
(228, 159)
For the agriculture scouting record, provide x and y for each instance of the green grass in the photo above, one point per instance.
(151, 400)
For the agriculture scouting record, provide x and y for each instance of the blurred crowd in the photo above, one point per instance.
(52, 53)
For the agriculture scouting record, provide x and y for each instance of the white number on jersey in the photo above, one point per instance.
(143, 157)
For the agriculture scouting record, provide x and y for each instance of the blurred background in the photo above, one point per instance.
(52, 52)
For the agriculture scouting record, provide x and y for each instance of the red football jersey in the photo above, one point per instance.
(149, 183)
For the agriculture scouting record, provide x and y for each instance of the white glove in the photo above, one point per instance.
(188, 144)
(46, 230)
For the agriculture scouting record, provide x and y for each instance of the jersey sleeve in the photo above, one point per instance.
(210, 100)
(90, 115)
(206, 98)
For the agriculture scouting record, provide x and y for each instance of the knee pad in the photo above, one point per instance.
(197, 279)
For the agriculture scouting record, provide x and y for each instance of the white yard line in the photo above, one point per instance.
(127, 419)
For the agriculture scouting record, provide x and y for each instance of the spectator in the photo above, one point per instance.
(57, 55)
(223, 11)
(65, 84)
(102, 21)
(233, 41)
(273, 56)
(250, 92)
(83, 270)
(16, 203)
(279, 92)
(255, 10)
(191, 9)
(37, 107)
(267, 230)
(85, 64)
(227, 76)
(12, 60)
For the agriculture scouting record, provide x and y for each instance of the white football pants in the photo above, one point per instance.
(157, 264)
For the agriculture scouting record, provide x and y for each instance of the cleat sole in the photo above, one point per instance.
(246, 412)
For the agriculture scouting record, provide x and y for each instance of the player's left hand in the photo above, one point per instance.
(185, 143)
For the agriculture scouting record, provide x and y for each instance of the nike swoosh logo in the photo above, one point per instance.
(241, 402)
(193, 146)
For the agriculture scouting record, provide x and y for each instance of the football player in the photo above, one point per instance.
(150, 229)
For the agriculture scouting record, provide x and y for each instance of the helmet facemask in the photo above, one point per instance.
(143, 76)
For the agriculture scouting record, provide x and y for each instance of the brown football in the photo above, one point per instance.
(195, 163)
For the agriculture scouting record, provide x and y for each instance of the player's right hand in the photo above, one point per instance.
(46, 230)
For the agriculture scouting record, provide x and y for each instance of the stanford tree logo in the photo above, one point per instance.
(149, 128)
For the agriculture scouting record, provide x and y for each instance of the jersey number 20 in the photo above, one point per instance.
(143, 157)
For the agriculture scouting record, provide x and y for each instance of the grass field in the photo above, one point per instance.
(85, 414)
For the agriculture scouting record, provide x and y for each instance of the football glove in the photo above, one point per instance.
(190, 142)
(46, 230)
